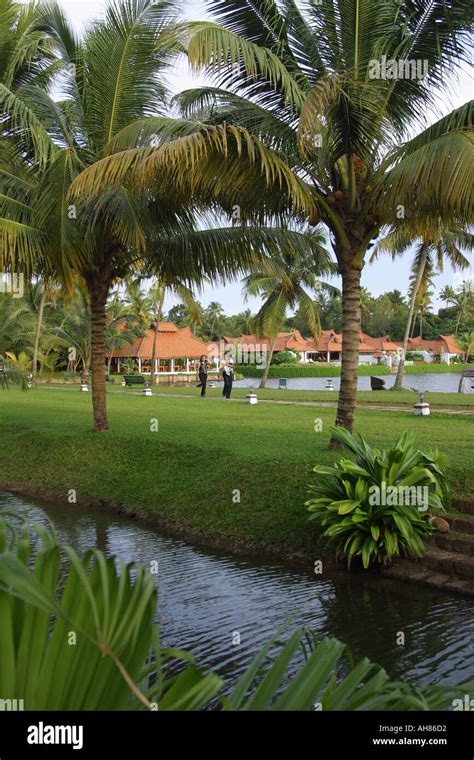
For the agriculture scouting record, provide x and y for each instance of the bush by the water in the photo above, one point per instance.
(375, 507)
(285, 357)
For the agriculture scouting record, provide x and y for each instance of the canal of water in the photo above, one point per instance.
(206, 596)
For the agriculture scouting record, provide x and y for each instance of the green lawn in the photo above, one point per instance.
(390, 398)
(205, 451)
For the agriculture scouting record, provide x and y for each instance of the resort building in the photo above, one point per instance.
(328, 347)
(445, 347)
(245, 348)
(177, 351)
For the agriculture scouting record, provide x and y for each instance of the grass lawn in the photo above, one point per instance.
(390, 398)
(205, 451)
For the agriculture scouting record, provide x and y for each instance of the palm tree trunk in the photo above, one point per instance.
(39, 322)
(458, 322)
(411, 309)
(98, 292)
(267, 366)
(351, 325)
(154, 375)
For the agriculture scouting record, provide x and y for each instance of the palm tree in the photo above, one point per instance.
(123, 325)
(302, 118)
(284, 285)
(437, 245)
(17, 325)
(213, 313)
(462, 300)
(245, 322)
(74, 335)
(366, 302)
(466, 343)
(40, 296)
(114, 80)
(157, 295)
(138, 302)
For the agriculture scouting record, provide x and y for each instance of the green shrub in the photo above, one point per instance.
(285, 357)
(373, 507)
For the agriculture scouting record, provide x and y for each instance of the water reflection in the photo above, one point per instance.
(444, 382)
(207, 596)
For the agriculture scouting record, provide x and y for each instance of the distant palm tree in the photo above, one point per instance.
(423, 303)
(157, 295)
(138, 302)
(17, 325)
(396, 297)
(437, 244)
(466, 343)
(289, 282)
(245, 322)
(75, 333)
(40, 295)
(213, 313)
(366, 301)
(462, 300)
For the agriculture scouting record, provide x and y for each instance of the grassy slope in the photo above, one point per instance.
(186, 472)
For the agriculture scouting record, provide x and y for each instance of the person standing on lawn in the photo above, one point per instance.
(228, 377)
(203, 369)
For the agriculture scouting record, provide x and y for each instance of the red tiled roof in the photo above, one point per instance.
(328, 340)
(172, 343)
(380, 344)
(451, 344)
(444, 344)
(289, 341)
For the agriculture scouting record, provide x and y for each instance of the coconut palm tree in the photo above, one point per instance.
(17, 324)
(114, 79)
(462, 300)
(289, 283)
(41, 297)
(74, 335)
(123, 326)
(138, 302)
(432, 248)
(157, 295)
(466, 343)
(245, 322)
(213, 313)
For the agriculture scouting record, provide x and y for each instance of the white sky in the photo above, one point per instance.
(383, 275)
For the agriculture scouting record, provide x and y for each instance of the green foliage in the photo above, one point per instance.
(373, 507)
(118, 662)
(308, 370)
(285, 357)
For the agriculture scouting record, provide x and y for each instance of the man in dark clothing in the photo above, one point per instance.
(203, 369)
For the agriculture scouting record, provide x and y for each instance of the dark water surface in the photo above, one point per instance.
(206, 596)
